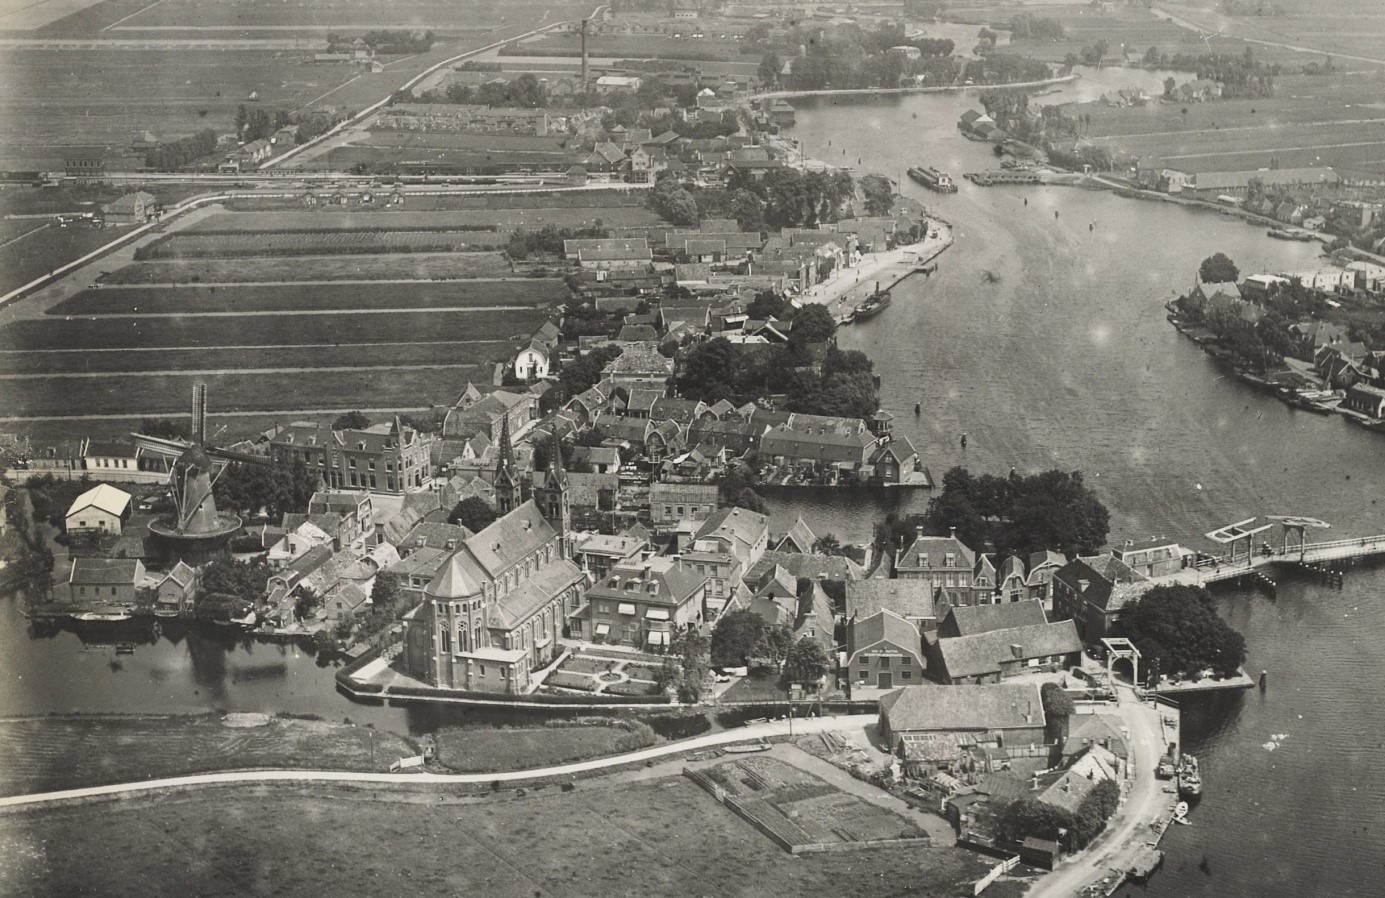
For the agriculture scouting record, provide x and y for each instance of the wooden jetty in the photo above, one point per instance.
(1326, 559)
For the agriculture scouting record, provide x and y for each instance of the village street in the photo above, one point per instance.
(1128, 831)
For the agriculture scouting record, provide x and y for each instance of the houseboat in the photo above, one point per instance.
(1189, 779)
(940, 182)
(106, 614)
(1286, 234)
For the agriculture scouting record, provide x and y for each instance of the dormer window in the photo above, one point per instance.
(923, 559)
(951, 559)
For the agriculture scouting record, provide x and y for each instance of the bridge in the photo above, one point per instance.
(1244, 560)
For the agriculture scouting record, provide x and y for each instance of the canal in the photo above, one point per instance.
(1068, 362)
(1061, 358)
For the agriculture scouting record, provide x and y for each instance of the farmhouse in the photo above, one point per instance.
(883, 651)
(132, 208)
(991, 656)
(609, 253)
(101, 509)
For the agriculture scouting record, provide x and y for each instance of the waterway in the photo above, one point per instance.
(1068, 362)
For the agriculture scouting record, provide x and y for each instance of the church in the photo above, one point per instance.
(495, 611)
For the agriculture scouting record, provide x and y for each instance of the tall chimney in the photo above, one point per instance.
(199, 413)
(584, 57)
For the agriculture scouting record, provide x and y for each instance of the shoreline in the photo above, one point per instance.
(895, 91)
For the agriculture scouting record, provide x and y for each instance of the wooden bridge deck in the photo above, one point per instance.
(1310, 553)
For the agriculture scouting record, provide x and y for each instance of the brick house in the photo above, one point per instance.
(883, 651)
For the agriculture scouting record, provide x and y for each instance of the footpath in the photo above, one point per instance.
(751, 733)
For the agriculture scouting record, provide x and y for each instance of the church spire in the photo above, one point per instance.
(507, 489)
(552, 497)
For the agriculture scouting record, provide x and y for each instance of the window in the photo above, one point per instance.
(83, 590)
(906, 674)
(884, 661)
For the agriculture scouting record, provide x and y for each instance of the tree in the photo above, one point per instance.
(879, 194)
(473, 513)
(674, 203)
(1026, 817)
(706, 371)
(294, 486)
(242, 580)
(1179, 626)
(811, 324)
(827, 544)
(806, 661)
(1053, 510)
(1218, 269)
(165, 428)
(769, 68)
(1058, 708)
(245, 488)
(735, 637)
(1169, 85)
(351, 421)
(766, 305)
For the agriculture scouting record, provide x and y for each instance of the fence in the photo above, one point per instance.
(995, 873)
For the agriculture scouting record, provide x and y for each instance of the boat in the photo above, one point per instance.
(940, 182)
(1286, 234)
(109, 614)
(876, 303)
(1189, 779)
(1322, 402)
(124, 648)
(746, 749)
(1180, 810)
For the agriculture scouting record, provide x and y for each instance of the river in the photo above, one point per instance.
(1067, 361)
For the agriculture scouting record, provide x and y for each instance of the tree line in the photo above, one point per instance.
(173, 155)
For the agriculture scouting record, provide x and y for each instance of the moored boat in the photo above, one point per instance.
(933, 179)
(876, 303)
(108, 614)
(1286, 234)
(1189, 778)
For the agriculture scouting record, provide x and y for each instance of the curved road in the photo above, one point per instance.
(711, 740)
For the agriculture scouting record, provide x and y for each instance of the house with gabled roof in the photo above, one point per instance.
(1004, 714)
(884, 651)
(101, 509)
(176, 589)
(644, 604)
(1092, 591)
(798, 538)
(943, 561)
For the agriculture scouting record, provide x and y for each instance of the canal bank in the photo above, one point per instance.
(1063, 359)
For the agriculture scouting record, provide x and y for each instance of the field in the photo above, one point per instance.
(37, 254)
(1336, 120)
(500, 219)
(623, 46)
(480, 749)
(802, 809)
(664, 837)
(200, 300)
(16, 200)
(345, 158)
(207, 245)
(1343, 28)
(437, 15)
(425, 266)
(46, 754)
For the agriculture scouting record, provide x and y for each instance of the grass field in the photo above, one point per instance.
(665, 837)
(428, 266)
(1355, 27)
(531, 199)
(315, 242)
(268, 330)
(480, 749)
(16, 200)
(300, 391)
(47, 754)
(246, 357)
(195, 300)
(24, 260)
(1336, 120)
(631, 46)
(345, 158)
(501, 219)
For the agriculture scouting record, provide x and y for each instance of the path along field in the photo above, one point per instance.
(43, 754)
(664, 837)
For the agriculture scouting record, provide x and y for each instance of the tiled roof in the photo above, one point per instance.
(983, 653)
(102, 497)
(885, 626)
(812, 567)
(995, 706)
(518, 605)
(103, 571)
(975, 619)
(908, 598)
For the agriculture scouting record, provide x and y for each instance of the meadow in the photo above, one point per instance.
(1355, 27)
(45, 754)
(427, 266)
(192, 331)
(499, 219)
(631, 46)
(37, 254)
(442, 353)
(317, 242)
(530, 293)
(664, 837)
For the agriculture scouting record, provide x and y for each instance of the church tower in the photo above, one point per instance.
(507, 486)
(552, 496)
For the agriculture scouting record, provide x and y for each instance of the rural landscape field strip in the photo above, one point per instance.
(293, 243)
(487, 295)
(202, 330)
(118, 394)
(424, 266)
(270, 222)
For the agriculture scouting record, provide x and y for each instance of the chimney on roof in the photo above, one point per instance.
(918, 529)
(952, 532)
(1016, 650)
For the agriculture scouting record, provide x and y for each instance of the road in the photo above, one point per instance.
(1128, 830)
(710, 740)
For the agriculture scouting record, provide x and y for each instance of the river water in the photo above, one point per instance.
(1066, 361)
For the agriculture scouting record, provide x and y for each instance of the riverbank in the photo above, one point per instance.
(846, 290)
(895, 91)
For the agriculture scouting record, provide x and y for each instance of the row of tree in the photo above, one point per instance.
(547, 240)
(178, 153)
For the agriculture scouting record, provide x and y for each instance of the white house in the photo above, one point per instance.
(103, 509)
(532, 362)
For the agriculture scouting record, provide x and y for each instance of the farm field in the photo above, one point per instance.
(46, 754)
(401, 139)
(1355, 27)
(198, 300)
(315, 242)
(35, 15)
(14, 228)
(527, 199)
(500, 219)
(245, 358)
(459, 161)
(436, 15)
(1337, 120)
(47, 99)
(24, 260)
(83, 198)
(267, 330)
(621, 46)
(482, 749)
(428, 266)
(664, 837)
(138, 396)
